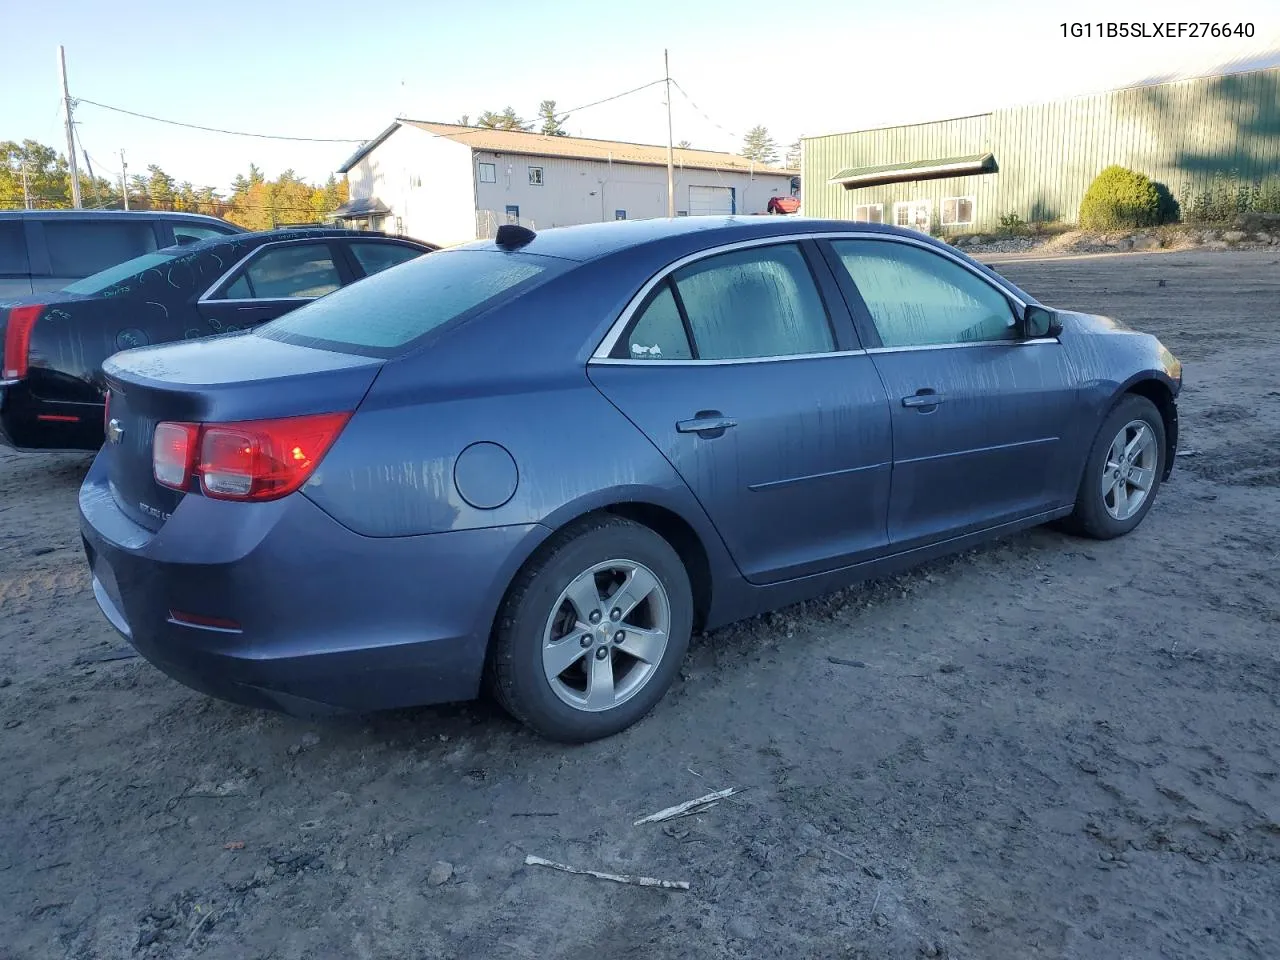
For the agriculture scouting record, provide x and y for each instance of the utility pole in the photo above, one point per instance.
(124, 180)
(26, 190)
(671, 176)
(71, 135)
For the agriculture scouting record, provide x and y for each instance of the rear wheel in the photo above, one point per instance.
(593, 631)
(1123, 473)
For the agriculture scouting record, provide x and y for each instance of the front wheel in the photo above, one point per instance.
(593, 631)
(1123, 473)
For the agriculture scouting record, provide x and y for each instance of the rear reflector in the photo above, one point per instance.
(250, 460)
(17, 341)
(182, 618)
(173, 454)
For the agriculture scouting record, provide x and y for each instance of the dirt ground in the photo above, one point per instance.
(1047, 748)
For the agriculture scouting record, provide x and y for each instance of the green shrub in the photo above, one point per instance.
(1012, 225)
(1119, 198)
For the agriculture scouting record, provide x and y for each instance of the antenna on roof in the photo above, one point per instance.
(512, 236)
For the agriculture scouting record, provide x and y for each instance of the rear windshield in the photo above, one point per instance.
(122, 271)
(382, 315)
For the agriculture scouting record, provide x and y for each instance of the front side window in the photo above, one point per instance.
(918, 298)
(303, 271)
(535, 176)
(376, 257)
(957, 211)
(488, 173)
(760, 302)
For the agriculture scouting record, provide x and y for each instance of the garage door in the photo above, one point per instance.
(710, 201)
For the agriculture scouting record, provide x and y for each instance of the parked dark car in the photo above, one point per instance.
(47, 249)
(547, 459)
(54, 344)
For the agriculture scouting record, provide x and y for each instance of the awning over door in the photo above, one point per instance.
(364, 207)
(915, 170)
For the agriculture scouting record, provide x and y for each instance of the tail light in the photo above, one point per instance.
(17, 340)
(106, 409)
(252, 460)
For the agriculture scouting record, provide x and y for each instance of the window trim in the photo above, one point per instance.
(480, 165)
(973, 211)
(868, 206)
(909, 204)
(619, 326)
(535, 183)
(635, 308)
(210, 296)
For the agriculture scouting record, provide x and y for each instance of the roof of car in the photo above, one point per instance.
(115, 215)
(592, 240)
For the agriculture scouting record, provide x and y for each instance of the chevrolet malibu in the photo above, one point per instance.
(542, 461)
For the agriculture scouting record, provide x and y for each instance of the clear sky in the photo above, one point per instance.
(345, 70)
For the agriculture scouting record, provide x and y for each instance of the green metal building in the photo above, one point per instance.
(964, 174)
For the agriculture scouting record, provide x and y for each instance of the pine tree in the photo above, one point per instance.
(551, 124)
(684, 145)
(508, 119)
(792, 159)
(759, 146)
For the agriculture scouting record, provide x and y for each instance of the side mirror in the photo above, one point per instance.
(1041, 322)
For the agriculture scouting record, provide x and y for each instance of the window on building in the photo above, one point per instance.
(682, 213)
(619, 214)
(869, 213)
(513, 213)
(914, 214)
(957, 211)
(488, 173)
(919, 298)
(535, 176)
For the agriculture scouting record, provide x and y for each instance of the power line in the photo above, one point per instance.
(700, 111)
(270, 136)
(231, 133)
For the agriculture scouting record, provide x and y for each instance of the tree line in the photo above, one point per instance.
(38, 176)
(757, 145)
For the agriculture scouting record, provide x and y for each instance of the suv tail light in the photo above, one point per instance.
(251, 460)
(17, 340)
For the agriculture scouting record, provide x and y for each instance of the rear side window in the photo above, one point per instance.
(376, 257)
(190, 233)
(659, 334)
(383, 314)
(80, 248)
(760, 302)
(13, 247)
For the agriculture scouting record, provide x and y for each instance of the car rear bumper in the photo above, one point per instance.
(298, 613)
(30, 423)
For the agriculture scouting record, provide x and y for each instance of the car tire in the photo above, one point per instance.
(548, 620)
(1097, 512)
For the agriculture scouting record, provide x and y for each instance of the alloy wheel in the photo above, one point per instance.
(1130, 470)
(606, 635)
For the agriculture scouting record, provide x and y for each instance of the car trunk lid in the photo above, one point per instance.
(220, 380)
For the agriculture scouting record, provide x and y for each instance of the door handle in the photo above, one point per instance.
(707, 424)
(923, 398)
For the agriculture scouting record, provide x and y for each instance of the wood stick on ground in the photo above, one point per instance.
(681, 809)
(532, 861)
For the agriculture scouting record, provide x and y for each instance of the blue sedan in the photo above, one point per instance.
(543, 461)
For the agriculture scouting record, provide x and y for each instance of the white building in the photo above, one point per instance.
(448, 184)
